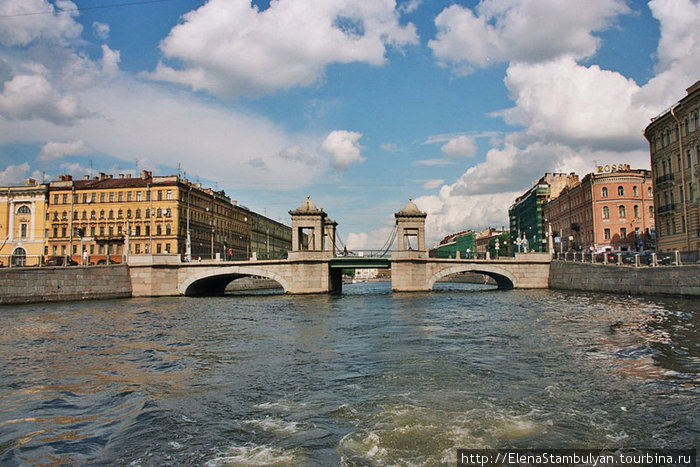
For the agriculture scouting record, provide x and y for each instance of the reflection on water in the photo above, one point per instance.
(364, 378)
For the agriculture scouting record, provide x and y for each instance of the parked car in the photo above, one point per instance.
(661, 258)
(612, 257)
(59, 261)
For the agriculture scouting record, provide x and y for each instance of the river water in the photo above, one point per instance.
(363, 378)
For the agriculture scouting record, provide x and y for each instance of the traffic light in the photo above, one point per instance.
(80, 232)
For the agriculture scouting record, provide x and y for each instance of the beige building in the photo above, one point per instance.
(105, 218)
(22, 223)
(674, 145)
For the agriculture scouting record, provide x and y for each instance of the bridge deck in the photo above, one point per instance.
(359, 262)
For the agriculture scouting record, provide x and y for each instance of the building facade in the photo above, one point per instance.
(674, 146)
(457, 243)
(102, 219)
(23, 223)
(527, 221)
(269, 239)
(611, 209)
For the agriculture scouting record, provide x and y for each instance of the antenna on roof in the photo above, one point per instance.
(179, 169)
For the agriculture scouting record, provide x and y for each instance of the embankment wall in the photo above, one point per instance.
(662, 280)
(27, 285)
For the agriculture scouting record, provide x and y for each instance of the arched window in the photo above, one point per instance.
(620, 191)
(635, 191)
(138, 230)
(159, 212)
(84, 215)
(19, 256)
(636, 211)
(128, 213)
(605, 192)
(622, 210)
(159, 230)
(102, 214)
(649, 192)
(64, 215)
(138, 214)
(24, 209)
(606, 212)
(168, 229)
(120, 214)
(111, 214)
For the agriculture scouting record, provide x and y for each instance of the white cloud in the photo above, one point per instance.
(527, 31)
(14, 174)
(432, 162)
(433, 183)
(26, 97)
(23, 25)
(56, 150)
(460, 146)
(100, 30)
(344, 147)
(230, 48)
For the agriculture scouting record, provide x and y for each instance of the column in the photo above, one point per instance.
(11, 226)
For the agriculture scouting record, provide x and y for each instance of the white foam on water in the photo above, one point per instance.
(274, 425)
(255, 455)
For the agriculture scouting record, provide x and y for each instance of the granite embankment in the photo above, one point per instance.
(663, 280)
(49, 284)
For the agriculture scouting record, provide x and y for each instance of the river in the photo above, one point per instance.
(363, 378)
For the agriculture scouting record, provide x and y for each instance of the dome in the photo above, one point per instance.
(307, 205)
(410, 208)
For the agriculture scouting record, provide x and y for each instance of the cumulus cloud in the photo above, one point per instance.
(26, 97)
(56, 150)
(230, 48)
(526, 31)
(56, 23)
(100, 30)
(14, 174)
(460, 146)
(344, 147)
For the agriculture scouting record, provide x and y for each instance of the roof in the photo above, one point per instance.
(410, 210)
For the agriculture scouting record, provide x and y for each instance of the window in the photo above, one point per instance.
(651, 211)
(606, 212)
(622, 210)
(23, 230)
(606, 234)
(24, 209)
(148, 213)
(138, 230)
(120, 214)
(84, 215)
(102, 197)
(102, 231)
(620, 191)
(636, 211)
(148, 196)
(605, 192)
(55, 199)
(65, 198)
(691, 193)
(137, 248)
(148, 230)
(160, 195)
(138, 214)
(623, 233)
(159, 230)
(63, 232)
(169, 195)
(102, 214)
(121, 196)
(93, 198)
(128, 213)
(128, 196)
(75, 215)
(688, 159)
(159, 212)
(85, 198)
(64, 215)
(167, 212)
(92, 231)
(111, 214)
(55, 232)
(168, 229)
(649, 192)
(138, 196)
(635, 191)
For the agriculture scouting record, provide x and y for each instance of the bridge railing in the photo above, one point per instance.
(632, 258)
(365, 253)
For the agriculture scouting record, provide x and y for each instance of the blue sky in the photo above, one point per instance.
(360, 104)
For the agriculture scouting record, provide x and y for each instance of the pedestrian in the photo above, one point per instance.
(228, 254)
(85, 257)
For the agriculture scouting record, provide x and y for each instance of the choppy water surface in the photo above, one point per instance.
(365, 378)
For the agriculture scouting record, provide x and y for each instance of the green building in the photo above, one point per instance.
(527, 222)
(458, 242)
(269, 239)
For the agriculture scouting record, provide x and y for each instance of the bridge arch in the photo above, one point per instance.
(504, 278)
(214, 281)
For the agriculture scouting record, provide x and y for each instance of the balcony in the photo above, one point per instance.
(109, 238)
(667, 209)
(664, 179)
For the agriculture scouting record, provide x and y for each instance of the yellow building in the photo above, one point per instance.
(104, 218)
(22, 223)
(674, 145)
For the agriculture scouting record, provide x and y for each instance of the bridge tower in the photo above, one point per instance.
(313, 245)
(310, 226)
(409, 263)
(410, 227)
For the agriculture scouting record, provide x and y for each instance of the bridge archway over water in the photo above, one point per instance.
(214, 283)
(504, 278)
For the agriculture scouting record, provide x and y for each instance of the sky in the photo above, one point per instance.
(360, 104)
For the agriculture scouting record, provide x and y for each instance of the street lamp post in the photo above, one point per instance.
(188, 245)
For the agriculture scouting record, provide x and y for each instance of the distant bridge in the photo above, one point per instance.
(314, 267)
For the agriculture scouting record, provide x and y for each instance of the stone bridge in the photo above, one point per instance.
(313, 267)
